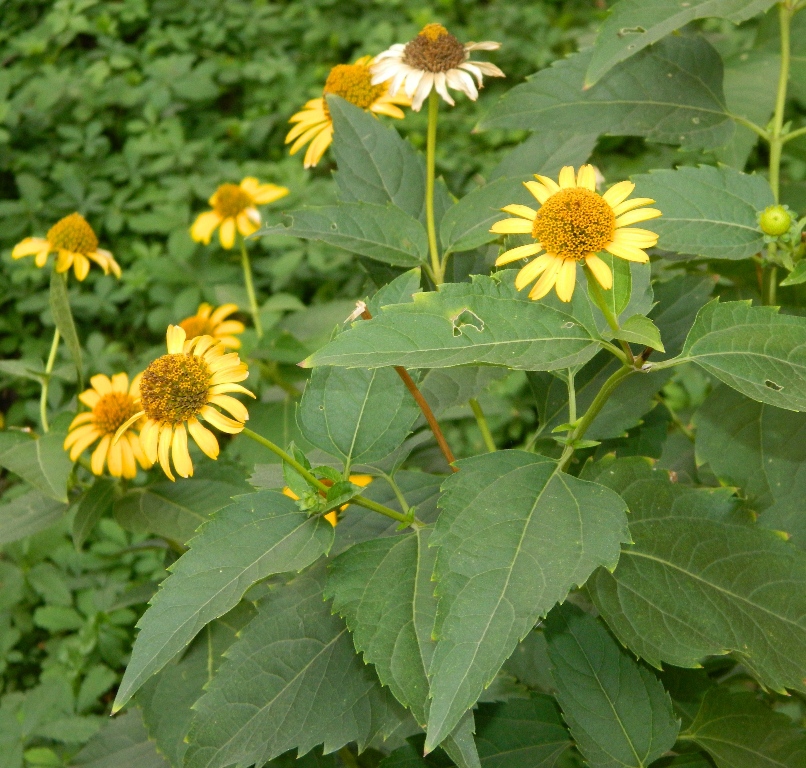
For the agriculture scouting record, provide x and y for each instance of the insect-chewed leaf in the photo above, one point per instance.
(619, 713)
(670, 93)
(755, 350)
(514, 536)
(258, 535)
(122, 743)
(707, 211)
(291, 680)
(698, 581)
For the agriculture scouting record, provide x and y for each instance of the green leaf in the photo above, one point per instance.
(92, 507)
(670, 93)
(678, 301)
(122, 743)
(755, 350)
(797, 275)
(546, 152)
(258, 535)
(292, 680)
(697, 581)
(381, 232)
(515, 535)
(631, 25)
(739, 731)
(639, 329)
(357, 415)
(399, 291)
(28, 514)
(618, 297)
(42, 461)
(446, 388)
(63, 319)
(707, 211)
(618, 711)
(486, 321)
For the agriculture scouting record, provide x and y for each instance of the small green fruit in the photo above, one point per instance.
(775, 220)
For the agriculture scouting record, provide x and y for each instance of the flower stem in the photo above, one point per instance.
(612, 320)
(250, 286)
(437, 267)
(484, 428)
(43, 398)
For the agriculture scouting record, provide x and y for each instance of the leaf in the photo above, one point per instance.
(546, 152)
(28, 514)
(258, 535)
(632, 25)
(618, 711)
(797, 275)
(709, 212)
(485, 321)
(357, 415)
(381, 232)
(618, 297)
(123, 743)
(399, 291)
(63, 319)
(42, 461)
(670, 93)
(678, 301)
(739, 731)
(292, 680)
(92, 507)
(698, 582)
(755, 350)
(446, 388)
(639, 329)
(515, 535)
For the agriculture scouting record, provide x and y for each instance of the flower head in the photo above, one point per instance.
(362, 481)
(234, 207)
(113, 402)
(213, 322)
(179, 388)
(434, 59)
(75, 244)
(572, 225)
(353, 82)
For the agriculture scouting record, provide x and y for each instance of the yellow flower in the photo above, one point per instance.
(573, 224)
(75, 243)
(435, 59)
(234, 207)
(362, 481)
(113, 404)
(352, 82)
(209, 322)
(177, 389)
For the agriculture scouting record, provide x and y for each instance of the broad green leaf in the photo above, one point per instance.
(739, 731)
(755, 350)
(381, 232)
(445, 388)
(41, 461)
(258, 535)
(546, 152)
(515, 535)
(356, 414)
(486, 321)
(639, 329)
(698, 581)
(670, 93)
(92, 507)
(797, 275)
(618, 711)
(618, 297)
(292, 680)
(28, 514)
(707, 211)
(122, 743)
(399, 291)
(632, 25)
(762, 450)
(678, 301)
(63, 318)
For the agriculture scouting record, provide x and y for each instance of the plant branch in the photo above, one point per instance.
(437, 268)
(484, 428)
(612, 320)
(250, 286)
(757, 129)
(43, 398)
(793, 135)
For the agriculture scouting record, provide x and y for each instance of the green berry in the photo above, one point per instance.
(775, 220)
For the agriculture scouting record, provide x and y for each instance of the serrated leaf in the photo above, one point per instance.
(258, 535)
(669, 93)
(631, 25)
(123, 743)
(92, 507)
(546, 152)
(292, 680)
(515, 535)
(618, 711)
(40, 461)
(486, 321)
(755, 350)
(639, 329)
(697, 582)
(63, 319)
(678, 301)
(399, 291)
(707, 211)
(446, 388)
(28, 514)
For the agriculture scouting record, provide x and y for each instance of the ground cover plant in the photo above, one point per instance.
(435, 415)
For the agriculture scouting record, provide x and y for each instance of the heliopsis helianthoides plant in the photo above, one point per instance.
(181, 387)
(573, 224)
(214, 322)
(112, 403)
(362, 481)
(353, 82)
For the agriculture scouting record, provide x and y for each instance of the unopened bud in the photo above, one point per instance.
(775, 220)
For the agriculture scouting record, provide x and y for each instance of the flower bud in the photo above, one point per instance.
(775, 220)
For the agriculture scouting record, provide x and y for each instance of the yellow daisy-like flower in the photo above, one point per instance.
(435, 59)
(113, 402)
(352, 82)
(177, 389)
(75, 243)
(573, 224)
(362, 481)
(210, 322)
(234, 208)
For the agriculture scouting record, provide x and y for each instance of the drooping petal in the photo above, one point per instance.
(139, 453)
(114, 459)
(245, 225)
(81, 266)
(29, 247)
(204, 438)
(64, 260)
(566, 280)
(179, 452)
(99, 455)
(219, 421)
(521, 252)
(127, 456)
(600, 271)
(318, 147)
(235, 407)
(547, 280)
(149, 439)
(226, 234)
(512, 227)
(269, 193)
(532, 270)
(204, 226)
(424, 87)
(164, 448)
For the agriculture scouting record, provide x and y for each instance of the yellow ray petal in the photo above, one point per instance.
(164, 447)
(532, 270)
(512, 227)
(29, 247)
(175, 338)
(524, 211)
(114, 460)
(82, 441)
(219, 421)
(139, 453)
(234, 407)
(600, 271)
(204, 226)
(101, 384)
(551, 185)
(89, 397)
(566, 280)
(149, 439)
(127, 455)
(618, 193)
(318, 147)
(643, 238)
(120, 383)
(567, 178)
(126, 424)
(269, 193)
(204, 438)
(226, 234)
(99, 455)
(179, 452)
(81, 266)
(547, 280)
(633, 217)
(538, 191)
(631, 204)
(521, 252)
(586, 178)
(628, 252)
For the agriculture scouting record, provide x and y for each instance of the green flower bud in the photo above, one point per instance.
(775, 220)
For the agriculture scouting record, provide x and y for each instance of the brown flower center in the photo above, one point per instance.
(112, 410)
(197, 326)
(175, 387)
(434, 50)
(73, 233)
(232, 199)
(353, 82)
(573, 223)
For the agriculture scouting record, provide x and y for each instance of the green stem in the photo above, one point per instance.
(437, 267)
(484, 428)
(793, 135)
(272, 371)
(43, 398)
(757, 129)
(401, 499)
(612, 320)
(250, 287)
